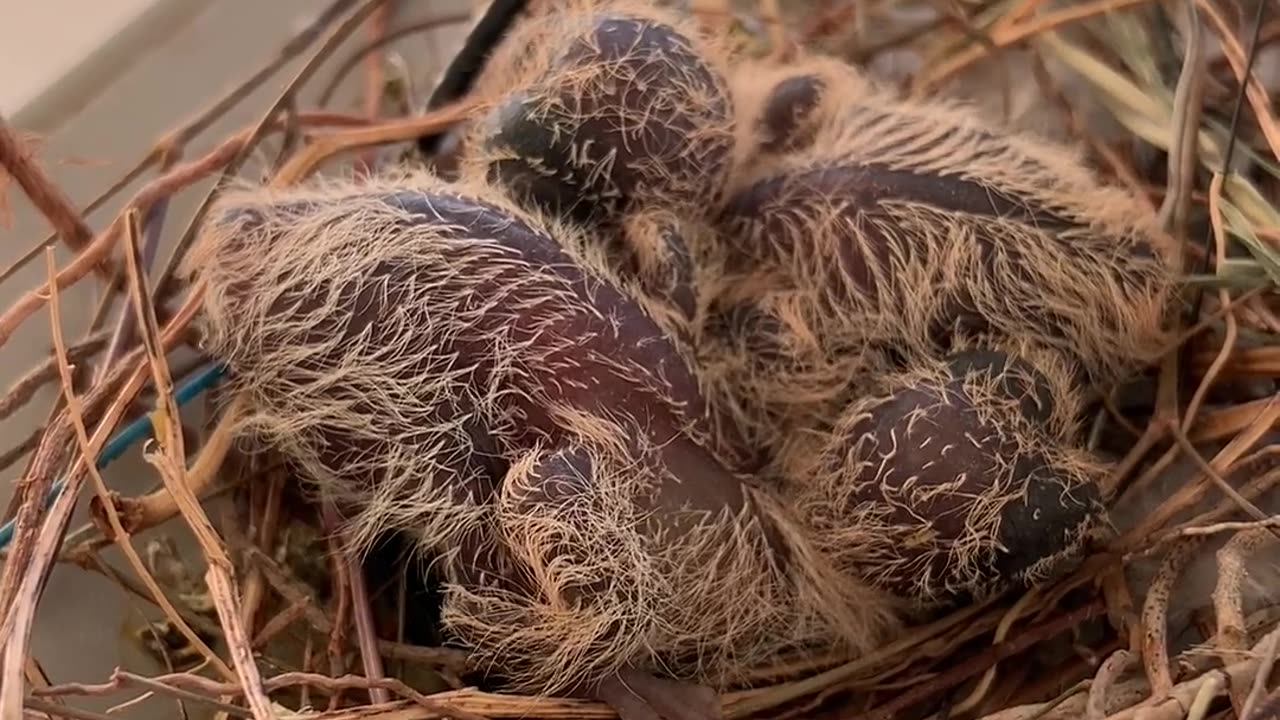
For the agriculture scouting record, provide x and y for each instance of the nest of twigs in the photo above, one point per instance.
(1175, 618)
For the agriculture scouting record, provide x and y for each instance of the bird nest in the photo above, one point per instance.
(1172, 616)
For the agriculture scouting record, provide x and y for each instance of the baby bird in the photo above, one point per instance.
(918, 220)
(616, 118)
(601, 108)
(430, 358)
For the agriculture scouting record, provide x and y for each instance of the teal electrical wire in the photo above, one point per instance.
(188, 390)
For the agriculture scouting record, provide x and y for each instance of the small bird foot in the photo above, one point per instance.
(637, 695)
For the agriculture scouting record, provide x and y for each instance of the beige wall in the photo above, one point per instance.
(54, 53)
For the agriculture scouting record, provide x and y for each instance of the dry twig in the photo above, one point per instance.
(1110, 671)
(172, 467)
(20, 164)
(1155, 616)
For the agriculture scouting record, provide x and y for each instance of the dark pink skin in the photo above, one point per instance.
(1035, 527)
(562, 478)
(618, 357)
(638, 128)
(621, 365)
(787, 111)
(594, 156)
(756, 221)
(755, 217)
(673, 282)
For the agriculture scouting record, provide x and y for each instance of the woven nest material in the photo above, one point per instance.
(1174, 615)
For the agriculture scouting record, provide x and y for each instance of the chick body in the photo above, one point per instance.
(429, 357)
(601, 108)
(953, 480)
(919, 222)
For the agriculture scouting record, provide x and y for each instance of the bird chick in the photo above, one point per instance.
(600, 108)
(428, 356)
(617, 117)
(918, 220)
(955, 480)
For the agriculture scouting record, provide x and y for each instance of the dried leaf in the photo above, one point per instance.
(1238, 226)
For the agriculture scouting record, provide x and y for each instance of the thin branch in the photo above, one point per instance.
(157, 507)
(1244, 503)
(124, 330)
(1110, 670)
(64, 711)
(211, 688)
(104, 243)
(1155, 616)
(36, 544)
(11, 693)
(296, 593)
(959, 673)
(1259, 685)
(266, 534)
(361, 613)
(121, 536)
(347, 65)
(400, 130)
(1228, 603)
(173, 471)
(1193, 491)
(26, 387)
(1015, 33)
(21, 165)
(164, 284)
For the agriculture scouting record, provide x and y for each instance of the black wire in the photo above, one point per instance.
(1244, 85)
(1232, 134)
(467, 65)
(1193, 311)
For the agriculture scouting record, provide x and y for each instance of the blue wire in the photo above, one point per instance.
(184, 393)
